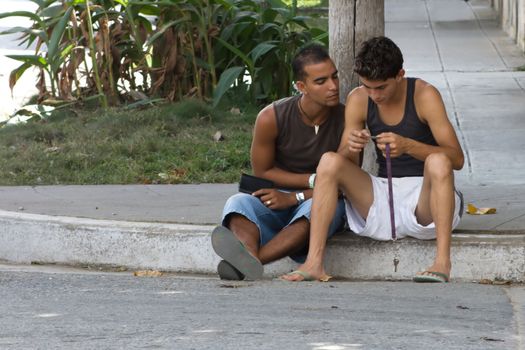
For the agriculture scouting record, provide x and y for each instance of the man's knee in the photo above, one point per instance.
(241, 199)
(239, 208)
(330, 164)
(302, 224)
(438, 165)
(234, 219)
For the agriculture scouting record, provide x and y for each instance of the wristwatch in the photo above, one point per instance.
(300, 197)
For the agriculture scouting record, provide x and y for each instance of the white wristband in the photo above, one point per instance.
(311, 180)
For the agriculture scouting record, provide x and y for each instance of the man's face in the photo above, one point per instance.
(321, 83)
(381, 91)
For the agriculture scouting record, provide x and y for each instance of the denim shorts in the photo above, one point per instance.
(271, 222)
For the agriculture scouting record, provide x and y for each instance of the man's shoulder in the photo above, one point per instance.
(357, 95)
(285, 101)
(423, 85)
(425, 91)
(357, 102)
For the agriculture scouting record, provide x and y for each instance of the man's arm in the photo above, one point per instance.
(354, 137)
(263, 154)
(431, 110)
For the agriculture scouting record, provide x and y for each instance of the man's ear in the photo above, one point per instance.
(400, 74)
(299, 85)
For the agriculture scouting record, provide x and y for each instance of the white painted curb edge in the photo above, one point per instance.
(26, 238)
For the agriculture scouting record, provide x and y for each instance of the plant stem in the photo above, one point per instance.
(94, 57)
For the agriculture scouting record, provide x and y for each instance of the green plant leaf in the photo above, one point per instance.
(52, 11)
(149, 10)
(163, 29)
(34, 60)
(226, 80)
(277, 3)
(261, 50)
(244, 58)
(17, 73)
(31, 15)
(269, 15)
(322, 37)
(145, 23)
(56, 36)
(14, 30)
(67, 50)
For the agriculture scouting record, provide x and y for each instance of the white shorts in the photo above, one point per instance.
(406, 194)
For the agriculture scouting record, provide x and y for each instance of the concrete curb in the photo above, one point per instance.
(26, 238)
(474, 257)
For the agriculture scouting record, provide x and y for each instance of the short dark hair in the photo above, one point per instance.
(310, 54)
(378, 59)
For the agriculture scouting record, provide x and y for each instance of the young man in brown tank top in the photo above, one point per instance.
(409, 116)
(289, 139)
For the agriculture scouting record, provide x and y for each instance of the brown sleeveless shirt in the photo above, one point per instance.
(297, 148)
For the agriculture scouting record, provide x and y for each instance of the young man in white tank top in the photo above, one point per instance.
(425, 201)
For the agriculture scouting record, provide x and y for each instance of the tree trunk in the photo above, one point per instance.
(350, 23)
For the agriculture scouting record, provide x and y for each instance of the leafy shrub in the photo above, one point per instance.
(126, 51)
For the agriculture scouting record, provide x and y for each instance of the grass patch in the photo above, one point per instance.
(166, 144)
(521, 68)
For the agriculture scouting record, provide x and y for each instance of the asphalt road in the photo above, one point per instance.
(62, 308)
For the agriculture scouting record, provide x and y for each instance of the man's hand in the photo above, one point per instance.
(357, 140)
(275, 199)
(398, 144)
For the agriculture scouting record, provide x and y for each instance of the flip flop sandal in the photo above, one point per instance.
(228, 247)
(227, 272)
(307, 277)
(431, 277)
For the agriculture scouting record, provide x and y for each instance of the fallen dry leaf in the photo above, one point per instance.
(502, 282)
(325, 278)
(147, 273)
(496, 282)
(473, 210)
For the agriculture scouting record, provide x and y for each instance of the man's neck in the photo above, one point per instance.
(399, 96)
(312, 112)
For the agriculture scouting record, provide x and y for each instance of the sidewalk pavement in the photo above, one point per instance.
(455, 45)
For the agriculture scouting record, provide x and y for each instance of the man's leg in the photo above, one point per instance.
(246, 231)
(333, 172)
(237, 240)
(288, 241)
(436, 204)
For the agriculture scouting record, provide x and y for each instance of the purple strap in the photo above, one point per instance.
(390, 191)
